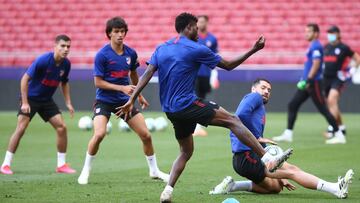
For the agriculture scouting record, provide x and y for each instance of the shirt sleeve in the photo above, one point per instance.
(316, 53)
(349, 52)
(248, 105)
(134, 62)
(99, 65)
(216, 48)
(153, 60)
(35, 67)
(207, 57)
(65, 77)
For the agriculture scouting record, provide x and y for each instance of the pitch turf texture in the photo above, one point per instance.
(120, 172)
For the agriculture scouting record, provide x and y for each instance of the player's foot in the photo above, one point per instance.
(160, 175)
(224, 187)
(279, 161)
(200, 132)
(65, 169)
(6, 170)
(285, 137)
(328, 135)
(84, 177)
(339, 138)
(165, 196)
(344, 184)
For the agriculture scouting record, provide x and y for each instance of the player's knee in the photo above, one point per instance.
(61, 128)
(187, 154)
(232, 121)
(20, 129)
(99, 136)
(275, 190)
(291, 106)
(145, 137)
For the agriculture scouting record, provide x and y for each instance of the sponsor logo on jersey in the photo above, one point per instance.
(97, 110)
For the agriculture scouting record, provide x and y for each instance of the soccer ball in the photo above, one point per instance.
(108, 127)
(274, 151)
(85, 123)
(150, 124)
(123, 126)
(160, 123)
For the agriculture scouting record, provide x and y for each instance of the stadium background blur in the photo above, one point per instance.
(28, 28)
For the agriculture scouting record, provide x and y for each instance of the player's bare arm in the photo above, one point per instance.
(24, 86)
(144, 80)
(65, 87)
(230, 65)
(100, 83)
(134, 77)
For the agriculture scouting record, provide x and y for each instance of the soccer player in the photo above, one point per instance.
(37, 87)
(309, 86)
(203, 86)
(115, 64)
(337, 57)
(177, 62)
(246, 163)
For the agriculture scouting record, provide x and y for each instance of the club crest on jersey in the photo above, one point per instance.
(62, 73)
(97, 110)
(128, 60)
(208, 43)
(337, 51)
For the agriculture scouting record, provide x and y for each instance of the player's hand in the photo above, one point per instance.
(266, 141)
(128, 89)
(71, 110)
(259, 44)
(25, 108)
(125, 110)
(142, 101)
(287, 184)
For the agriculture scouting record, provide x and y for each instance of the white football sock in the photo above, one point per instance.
(288, 132)
(327, 187)
(330, 128)
(169, 188)
(241, 186)
(342, 127)
(198, 127)
(152, 163)
(88, 161)
(8, 158)
(61, 159)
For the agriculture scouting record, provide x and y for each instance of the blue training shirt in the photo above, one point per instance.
(251, 111)
(46, 76)
(210, 41)
(315, 52)
(178, 61)
(114, 68)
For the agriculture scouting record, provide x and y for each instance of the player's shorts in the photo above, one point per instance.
(202, 86)
(184, 121)
(249, 165)
(332, 83)
(46, 109)
(105, 109)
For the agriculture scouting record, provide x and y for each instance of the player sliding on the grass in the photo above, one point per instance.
(177, 62)
(37, 87)
(248, 164)
(115, 65)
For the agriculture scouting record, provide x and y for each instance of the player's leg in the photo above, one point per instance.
(183, 133)
(293, 107)
(202, 88)
(22, 123)
(138, 125)
(333, 98)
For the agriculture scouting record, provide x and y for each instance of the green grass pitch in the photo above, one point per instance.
(120, 172)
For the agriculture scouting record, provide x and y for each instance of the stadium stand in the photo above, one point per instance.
(29, 26)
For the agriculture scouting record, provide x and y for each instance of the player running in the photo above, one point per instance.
(309, 86)
(37, 87)
(115, 64)
(248, 164)
(336, 60)
(203, 83)
(177, 62)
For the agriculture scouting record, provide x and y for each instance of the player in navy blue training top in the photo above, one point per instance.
(38, 85)
(115, 76)
(177, 62)
(309, 86)
(203, 84)
(337, 56)
(248, 164)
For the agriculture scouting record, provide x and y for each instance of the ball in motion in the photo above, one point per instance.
(85, 123)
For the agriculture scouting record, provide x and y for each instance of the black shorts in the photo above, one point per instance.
(202, 86)
(332, 83)
(46, 109)
(184, 121)
(105, 109)
(249, 165)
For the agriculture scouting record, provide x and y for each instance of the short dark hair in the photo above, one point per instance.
(203, 16)
(314, 26)
(183, 20)
(62, 37)
(258, 80)
(115, 22)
